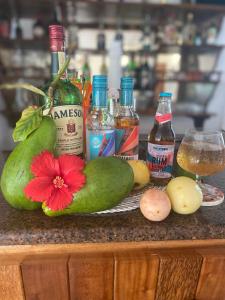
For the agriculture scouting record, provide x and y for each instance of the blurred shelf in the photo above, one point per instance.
(185, 49)
(179, 81)
(26, 7)
(184, 6)
(33, 44)
(205, 81)
(161, 50)
(20, 75)
(43, 44)
(188, 77)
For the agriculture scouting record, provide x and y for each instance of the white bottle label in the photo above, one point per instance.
(160, 160)
(69, 124)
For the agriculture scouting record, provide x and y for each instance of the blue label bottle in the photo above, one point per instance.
(100, 132)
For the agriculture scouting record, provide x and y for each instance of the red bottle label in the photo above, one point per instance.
(127, 140)
(163, 118)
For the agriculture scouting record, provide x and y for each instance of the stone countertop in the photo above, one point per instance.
(25, 227)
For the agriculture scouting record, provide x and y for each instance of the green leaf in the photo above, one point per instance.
(25, 86)
(30, 120)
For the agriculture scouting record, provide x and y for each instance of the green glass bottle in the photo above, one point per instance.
(67, 100)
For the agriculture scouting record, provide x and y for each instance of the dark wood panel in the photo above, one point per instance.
(211, 285)
(135, 277)
(91, 277)
(178, 275)
(11, 286)
(45, 278)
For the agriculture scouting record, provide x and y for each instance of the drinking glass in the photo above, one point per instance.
(203, 153)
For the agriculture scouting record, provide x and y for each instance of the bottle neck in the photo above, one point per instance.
(164, 112)
(164, 106)
(126, 97)
(99, 98)
(58, 57)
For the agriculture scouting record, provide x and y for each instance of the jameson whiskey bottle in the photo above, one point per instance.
(127, 123)
(67, 100)
(161, 142)
(100, 132)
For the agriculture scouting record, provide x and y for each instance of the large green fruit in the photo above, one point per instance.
(16, 173)
(108, 181)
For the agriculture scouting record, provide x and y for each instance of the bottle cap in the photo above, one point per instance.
(126, 86)
(56, 32)
(165, 94)
(99, 94)
(126, 83)
(56, 36)
(100, 81)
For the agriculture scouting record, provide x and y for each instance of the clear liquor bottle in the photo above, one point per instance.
(67, 100)
(127, 123)
(100, 131)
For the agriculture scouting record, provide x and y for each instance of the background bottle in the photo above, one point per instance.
(103, 68)
(67, 100)
(73, 29)
(39, 30)
(131, 69)
(101, 37)
(86, 70)
(189, 30)
(127, 123)
(146, 75)
(161, 142)
(100, 132)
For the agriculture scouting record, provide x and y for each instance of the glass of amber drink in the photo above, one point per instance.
(203, 153)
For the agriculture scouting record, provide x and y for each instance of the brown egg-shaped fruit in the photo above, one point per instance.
(155, 205)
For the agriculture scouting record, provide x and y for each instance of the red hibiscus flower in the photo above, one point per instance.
(56, 179)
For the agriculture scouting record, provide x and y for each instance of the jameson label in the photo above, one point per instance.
(100, 143)
(69, 124)
(160, 160)
(127, 140)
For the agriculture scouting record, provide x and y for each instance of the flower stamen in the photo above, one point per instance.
(58, 182)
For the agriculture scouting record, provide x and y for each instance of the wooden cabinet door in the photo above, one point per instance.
(211, 284)
(168, 275)
(11, 286)
(178, 275)
(135, 276)
(91, 277)
(45, 278)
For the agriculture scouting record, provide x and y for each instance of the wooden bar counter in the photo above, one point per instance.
(121, 256)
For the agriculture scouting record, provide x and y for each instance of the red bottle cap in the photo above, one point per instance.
(56, 36)
(56, 32)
